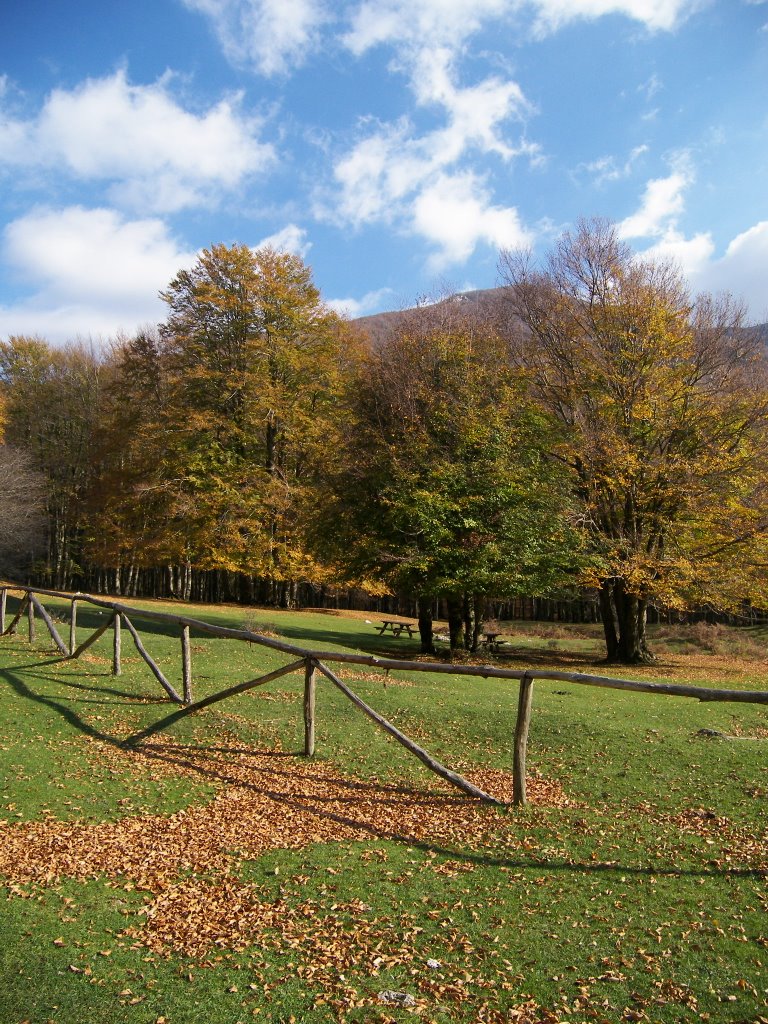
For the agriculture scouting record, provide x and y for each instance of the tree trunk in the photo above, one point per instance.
(455, 605)
(624, 618)
(608, 616)
(470, 632)
(425, 625)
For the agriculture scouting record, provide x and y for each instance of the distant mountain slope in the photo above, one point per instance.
(483, 302)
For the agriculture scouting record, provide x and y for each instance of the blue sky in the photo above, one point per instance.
(397, 145)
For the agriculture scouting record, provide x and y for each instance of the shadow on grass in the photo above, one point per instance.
(279, 784)
(128, 697)
(20, 687)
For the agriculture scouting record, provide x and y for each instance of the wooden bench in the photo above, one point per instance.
(397, 628)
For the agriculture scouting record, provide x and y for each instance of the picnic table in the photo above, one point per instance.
(492, 640)
(396, 627)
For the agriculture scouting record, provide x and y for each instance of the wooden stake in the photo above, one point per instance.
(3, 599)
(116, 647)
(453, 777)
(186, 664)
(31, 617)
(309, 708)
(92, 638)
(49, 624)
(155, 670)
(17, 617)
(73, 628)
(521, 740)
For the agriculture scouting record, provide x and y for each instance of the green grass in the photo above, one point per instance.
(642, 902)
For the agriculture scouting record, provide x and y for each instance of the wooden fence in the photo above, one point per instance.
(313, 662)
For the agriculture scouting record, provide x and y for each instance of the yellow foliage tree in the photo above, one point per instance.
(664, 402)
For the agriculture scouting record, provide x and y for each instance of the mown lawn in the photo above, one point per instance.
(212, 874)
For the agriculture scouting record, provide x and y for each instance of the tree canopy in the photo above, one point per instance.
(442, 488)
(227, 414)
(663, 402)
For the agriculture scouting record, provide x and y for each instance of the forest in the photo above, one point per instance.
(593, 430)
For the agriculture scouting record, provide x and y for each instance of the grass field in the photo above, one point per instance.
(213, 874)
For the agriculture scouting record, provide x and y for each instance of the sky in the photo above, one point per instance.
(396, 145)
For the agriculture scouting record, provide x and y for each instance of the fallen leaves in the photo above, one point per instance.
(269, 801)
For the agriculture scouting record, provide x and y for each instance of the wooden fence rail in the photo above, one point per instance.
(313, 661)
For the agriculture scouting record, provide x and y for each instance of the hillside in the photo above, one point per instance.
(483, 302)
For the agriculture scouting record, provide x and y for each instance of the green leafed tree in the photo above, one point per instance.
(441, 486)
(663, 405)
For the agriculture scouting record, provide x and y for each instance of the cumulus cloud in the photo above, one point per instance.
(656, 15)
(692, 255)
(396, 175)
(375, 22)
(291, 239)
(418, 184)
(153, 154)
(742, 270)
(371, 302)
(663, 202)
(743, 267)
(88, 270)
(271, 36)
(457, 212)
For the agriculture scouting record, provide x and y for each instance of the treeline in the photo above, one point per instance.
(594, 436)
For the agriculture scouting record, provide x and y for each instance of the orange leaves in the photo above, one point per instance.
(268, 803)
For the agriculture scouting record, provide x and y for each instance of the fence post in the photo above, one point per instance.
(309, 707)
(116, 645)
(31, 617)
(186, 664)
(521, 740)
(73, 629)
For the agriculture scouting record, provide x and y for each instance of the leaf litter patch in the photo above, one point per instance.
(268, 801)
(344, 955)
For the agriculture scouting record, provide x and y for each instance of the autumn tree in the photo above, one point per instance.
(664, 407)
(440, 488)
(253, 359)
(22, 519)
(131, 500)
(51, 402)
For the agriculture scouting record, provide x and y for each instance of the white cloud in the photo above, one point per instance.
(155, 155)
(663, 202)
(456, 212)
(89, 271)
(607, 169)
(451, 22)
(371, 302)
(656, 15)
(692, 255)
(291, 239)
(420, 22)
(272, 36)
(395, 175)
(394, 178)
(742, 270)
